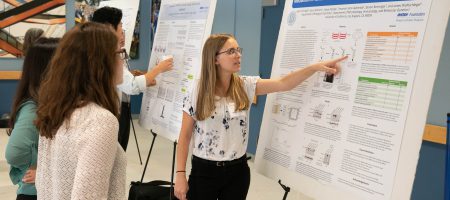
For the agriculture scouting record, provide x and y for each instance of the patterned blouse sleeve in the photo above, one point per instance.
(189, 101)
(250, 86)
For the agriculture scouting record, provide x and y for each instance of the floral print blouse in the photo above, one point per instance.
(224, 135)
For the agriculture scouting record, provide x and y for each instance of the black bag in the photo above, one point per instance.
(153, 190)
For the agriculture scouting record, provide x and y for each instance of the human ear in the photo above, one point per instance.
(217, 61)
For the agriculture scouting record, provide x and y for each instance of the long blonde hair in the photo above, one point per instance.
(208, 79)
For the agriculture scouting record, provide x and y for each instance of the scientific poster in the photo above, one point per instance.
(183, 27)
(341, 135)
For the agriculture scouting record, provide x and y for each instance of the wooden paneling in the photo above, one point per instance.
(10, 75)
(433, 133)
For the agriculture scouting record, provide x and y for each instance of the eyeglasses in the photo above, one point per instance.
(231, 51)
(122, 53)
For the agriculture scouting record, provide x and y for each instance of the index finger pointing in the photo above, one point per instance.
(339, 59)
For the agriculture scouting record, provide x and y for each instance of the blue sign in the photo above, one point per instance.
(314, 3)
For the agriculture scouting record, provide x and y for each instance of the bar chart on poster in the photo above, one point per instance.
(355, 134)
(183, 27)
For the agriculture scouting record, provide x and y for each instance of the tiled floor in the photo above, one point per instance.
(261, 188)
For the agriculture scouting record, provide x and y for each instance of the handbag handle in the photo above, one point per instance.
(151, 183)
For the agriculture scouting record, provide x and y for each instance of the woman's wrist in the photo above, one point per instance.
(157, 69)
(151, 75)
(313, 67)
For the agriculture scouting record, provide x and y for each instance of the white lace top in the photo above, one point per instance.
(224, 135)
(84, 159)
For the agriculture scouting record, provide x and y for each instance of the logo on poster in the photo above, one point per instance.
(292, 17)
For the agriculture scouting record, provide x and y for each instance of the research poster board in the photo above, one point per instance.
(183, 27)
(355, 135)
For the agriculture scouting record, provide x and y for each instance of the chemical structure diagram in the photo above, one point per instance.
(335, 44)
(326, 156)
(318, 153)
(289, 113)
(310, 150)
(325, 113)
(335, 117)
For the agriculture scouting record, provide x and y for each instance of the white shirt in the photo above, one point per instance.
(131, 85)
(224, 135)
(84, 159)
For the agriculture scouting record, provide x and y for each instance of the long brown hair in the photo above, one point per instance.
(31, 36)
(33, 71)
(209, 77)
(82, 71)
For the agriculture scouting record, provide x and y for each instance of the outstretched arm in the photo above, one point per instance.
(181, 184)
(161, 67)
(288, 82)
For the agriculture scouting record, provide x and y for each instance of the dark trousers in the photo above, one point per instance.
(26, 197)
(208, 181)
(124, 125)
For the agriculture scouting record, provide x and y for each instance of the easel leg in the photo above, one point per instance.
(135, 137)
(285, 188)
(148, 156)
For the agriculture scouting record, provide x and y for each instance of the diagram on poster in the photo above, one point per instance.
(343, 133)
(183, 26)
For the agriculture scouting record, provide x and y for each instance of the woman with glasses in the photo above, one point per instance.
(131, 85)
(79, 156)
(216, 116)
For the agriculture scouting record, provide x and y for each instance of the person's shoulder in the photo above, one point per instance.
(95, 116)
(249, 79)
(99, 111)
(93, 113)
(28, 106)
(195, 83)
(193, 87)
(27, 110)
